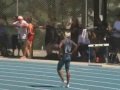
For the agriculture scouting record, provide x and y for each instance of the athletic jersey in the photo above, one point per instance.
(67, 46)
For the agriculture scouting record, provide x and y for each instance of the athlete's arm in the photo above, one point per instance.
(60, 48)
(75, 47)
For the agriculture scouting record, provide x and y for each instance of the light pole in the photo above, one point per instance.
(86, 13)
(17, 9)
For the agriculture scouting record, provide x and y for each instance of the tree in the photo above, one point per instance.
(4, 5)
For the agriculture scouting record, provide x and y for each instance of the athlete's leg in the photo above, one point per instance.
(30, 49)
(59, 69)
(67, 65)
(26, 50)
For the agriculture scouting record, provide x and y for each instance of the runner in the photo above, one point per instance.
(66, 51)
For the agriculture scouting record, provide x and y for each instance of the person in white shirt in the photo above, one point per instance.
(83, 42)
(21, 25)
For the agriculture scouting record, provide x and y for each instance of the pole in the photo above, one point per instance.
(96, 12)
(86, 13)
(17, 5)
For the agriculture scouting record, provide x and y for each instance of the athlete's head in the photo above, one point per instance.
(67, 34)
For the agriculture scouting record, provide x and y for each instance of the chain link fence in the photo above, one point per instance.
(42, 11)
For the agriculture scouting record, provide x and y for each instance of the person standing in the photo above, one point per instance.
(3, 37)
(14, 39)
(75, 29)
(83, 42)
(29, 41)
(66, 48)
(116, 34)
(21, 25)
(115, 39)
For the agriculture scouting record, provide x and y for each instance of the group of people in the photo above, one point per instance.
(114, 41)
(80, 40)
(76, 39)
(80, 36)
(25, 35)
(66, 46)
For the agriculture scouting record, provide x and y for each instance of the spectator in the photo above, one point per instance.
(50, 30)
(14, 39)
(83, 41)
(115, 39)
(29, 41)
(75, 29)
(50, 38)
(15, 44)
(3, 38)
(21, 25)
(100, 30)
(116, 34)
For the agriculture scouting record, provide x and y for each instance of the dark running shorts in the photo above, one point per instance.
(15, 43)
(65, 60)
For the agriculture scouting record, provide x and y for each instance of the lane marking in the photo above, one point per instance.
(74, 71)
(43, 75)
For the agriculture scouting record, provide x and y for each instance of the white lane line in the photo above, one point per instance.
(32, 69)
(3, 89)
(40, 83)
(55, 62)
(51, 76)
(34, 63)
(78, 68)
(58, 86)
(56, 73)
(11, 85)
(57, 78)
(56, 66)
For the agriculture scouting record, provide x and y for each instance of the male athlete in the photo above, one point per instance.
(67, 47)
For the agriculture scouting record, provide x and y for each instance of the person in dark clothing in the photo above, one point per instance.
(15, 44)
(3, 39)
(67, 48)
(50, 30)
(50, 38)
(75, 29)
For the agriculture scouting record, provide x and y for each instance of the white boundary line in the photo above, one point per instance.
(116, 67)
(58, 86)
(53, 76)
(55, 62)
(3, 89)
(42, 83)
(37, 70)
(23, 86)
(56, 81)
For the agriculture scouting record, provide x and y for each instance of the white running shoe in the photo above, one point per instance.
(67, 85)
(63, 84)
